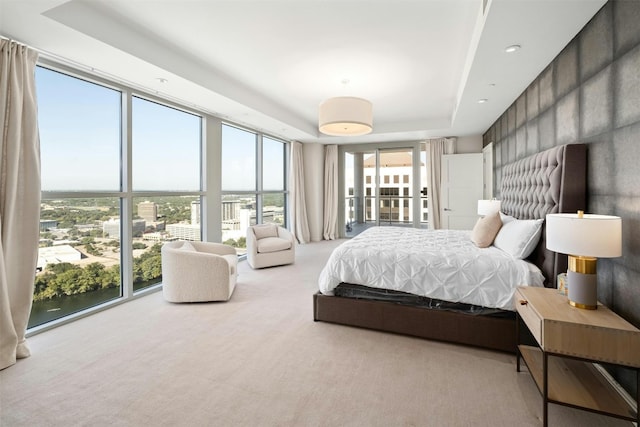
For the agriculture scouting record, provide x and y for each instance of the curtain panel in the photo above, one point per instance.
(436, 149)
(19, 197)
(330, 192)
(298, 207)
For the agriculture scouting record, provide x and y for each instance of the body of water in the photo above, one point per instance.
(57, 308)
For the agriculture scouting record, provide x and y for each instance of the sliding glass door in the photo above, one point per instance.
(384, 187)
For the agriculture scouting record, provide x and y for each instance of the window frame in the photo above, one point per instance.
(126, 195)
(259, 191)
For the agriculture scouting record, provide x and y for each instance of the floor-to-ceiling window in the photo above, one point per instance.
(122, 172)
(253, 183)
(79, 258)
(165, 183)
(116, 183)
(273, 181)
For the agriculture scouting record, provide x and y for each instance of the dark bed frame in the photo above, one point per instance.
(551, 181)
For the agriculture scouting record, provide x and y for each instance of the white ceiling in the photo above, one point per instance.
(268, 64)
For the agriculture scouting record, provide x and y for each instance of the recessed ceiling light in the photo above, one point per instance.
(482, 101)
(512, 48)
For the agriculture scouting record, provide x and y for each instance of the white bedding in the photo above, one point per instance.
(441, 264)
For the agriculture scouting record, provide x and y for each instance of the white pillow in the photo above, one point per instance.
(265, 230)
(519, 237)
(506, 218)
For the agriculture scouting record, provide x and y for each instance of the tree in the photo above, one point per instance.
(111, 278)
(60, 267)
(87, 240)
(151, 268)
(240, 243)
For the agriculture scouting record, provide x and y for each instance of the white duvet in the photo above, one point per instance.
(441, 264)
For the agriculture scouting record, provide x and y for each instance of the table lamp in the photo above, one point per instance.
(487, 207)
(585, 238)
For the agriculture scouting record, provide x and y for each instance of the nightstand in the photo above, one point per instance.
(570, 342)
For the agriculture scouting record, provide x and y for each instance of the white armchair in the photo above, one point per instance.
(269, 245)
(198, 271)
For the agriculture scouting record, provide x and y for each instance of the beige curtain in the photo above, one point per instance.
(297, 202)
(330, 192)
(435, 149)
(19, 197)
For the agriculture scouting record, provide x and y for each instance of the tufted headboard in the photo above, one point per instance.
(551, 181)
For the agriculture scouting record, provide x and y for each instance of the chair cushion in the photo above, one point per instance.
(273, 244)
(263, 231)
(188, 247)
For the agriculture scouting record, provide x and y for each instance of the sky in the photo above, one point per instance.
(80, 143)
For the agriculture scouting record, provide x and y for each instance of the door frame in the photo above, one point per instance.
(414, 146)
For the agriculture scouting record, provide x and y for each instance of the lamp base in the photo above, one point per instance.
(583, 283)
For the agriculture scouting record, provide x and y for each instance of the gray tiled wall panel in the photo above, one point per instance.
(596, 104)
(605, 275)
(521, 110)
(504, 147)
(627, 18)
(625, 284)
(547, 130)
(511, 119)
(626, 167)
(504, 127)
(566, 70)
(627, 88)
(532, 137)
(521, 142)
(545, 87)
(511, 148)
(600, 176)
(596, 43)
(532, 101)
(567, 119)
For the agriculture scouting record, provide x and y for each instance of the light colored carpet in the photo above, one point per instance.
(261, 360)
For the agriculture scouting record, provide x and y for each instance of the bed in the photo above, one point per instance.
(547, 182)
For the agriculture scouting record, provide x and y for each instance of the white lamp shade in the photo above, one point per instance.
(487, 207)
(598, 236)
(345, 116)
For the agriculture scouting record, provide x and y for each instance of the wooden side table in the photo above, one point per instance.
(570, 343)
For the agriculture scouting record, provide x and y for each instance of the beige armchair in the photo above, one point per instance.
(198, 271)
(269, 245)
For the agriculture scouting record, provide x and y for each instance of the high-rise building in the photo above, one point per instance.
(111, 228)
(148, 211)
(230, 209)
(184, 231)
(195, 212)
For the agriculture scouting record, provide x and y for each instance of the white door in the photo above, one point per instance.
(487, 165)
(461, 188)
